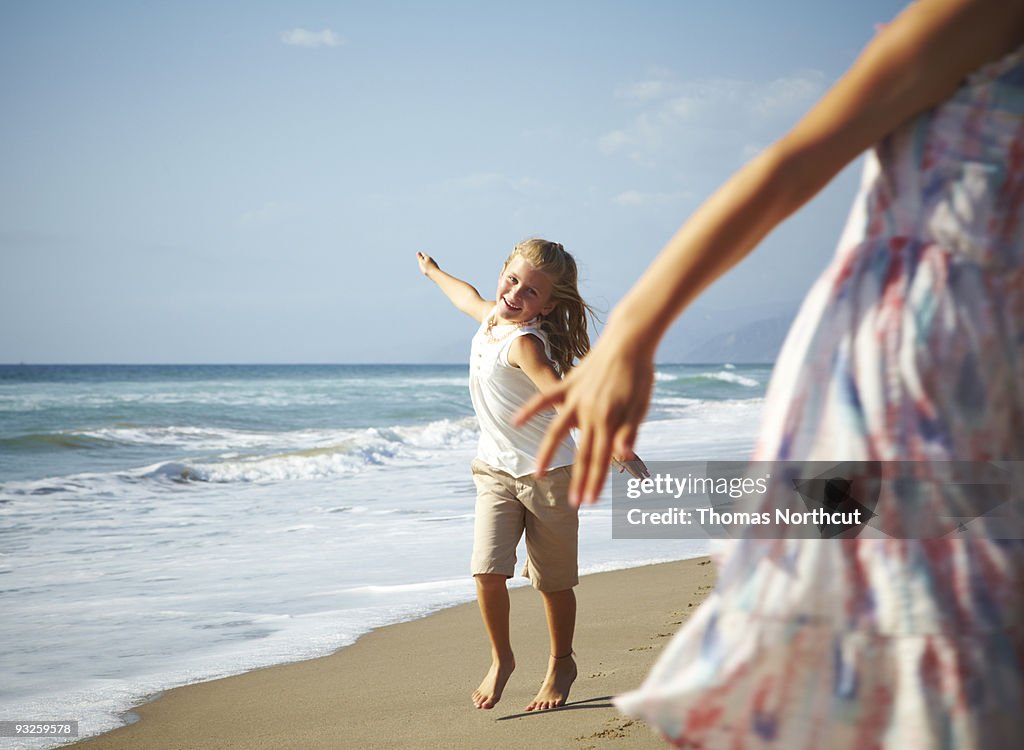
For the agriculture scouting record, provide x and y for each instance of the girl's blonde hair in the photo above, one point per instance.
(566, 324)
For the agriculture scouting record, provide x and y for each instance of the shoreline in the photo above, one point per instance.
(408, 684)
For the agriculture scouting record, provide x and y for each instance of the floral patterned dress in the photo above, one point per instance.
(910, 347)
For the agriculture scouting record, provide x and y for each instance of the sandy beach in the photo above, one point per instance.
(408, 685)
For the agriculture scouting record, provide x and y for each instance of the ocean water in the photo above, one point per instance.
(163, 525)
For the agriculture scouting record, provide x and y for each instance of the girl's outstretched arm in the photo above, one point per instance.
(912, 63)
(464, 296)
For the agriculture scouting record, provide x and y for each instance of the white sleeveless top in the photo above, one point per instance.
(498, 391)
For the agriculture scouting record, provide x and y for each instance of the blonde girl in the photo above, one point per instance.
(530, 335)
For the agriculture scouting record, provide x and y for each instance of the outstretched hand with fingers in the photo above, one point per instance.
(426, 262)
(606, 397)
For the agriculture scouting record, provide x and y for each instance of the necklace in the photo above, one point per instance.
(513, 327)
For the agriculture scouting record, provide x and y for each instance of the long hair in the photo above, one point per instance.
(566, 324)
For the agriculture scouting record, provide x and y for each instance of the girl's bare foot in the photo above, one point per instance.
(490, 689)
(554, 691)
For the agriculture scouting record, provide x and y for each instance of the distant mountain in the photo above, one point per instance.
(727, 336)
(758, 341)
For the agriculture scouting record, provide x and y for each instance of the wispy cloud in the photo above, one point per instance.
(642, 91)
(790, 94)
(703, 117)
(312, 39)
(658, 83)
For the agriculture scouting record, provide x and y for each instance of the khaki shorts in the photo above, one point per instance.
(506, 506)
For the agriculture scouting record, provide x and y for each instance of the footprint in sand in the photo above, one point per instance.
(616, 729)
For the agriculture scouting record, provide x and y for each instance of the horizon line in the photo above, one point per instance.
(320, 364)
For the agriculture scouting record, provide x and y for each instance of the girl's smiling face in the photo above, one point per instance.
(523, 292)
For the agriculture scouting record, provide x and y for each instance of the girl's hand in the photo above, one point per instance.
(606, 397)
(426, 263)
(632, 463)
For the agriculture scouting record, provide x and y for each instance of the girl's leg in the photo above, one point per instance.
(552, 540)
(560, 607)
(492, 596)
(497, 527)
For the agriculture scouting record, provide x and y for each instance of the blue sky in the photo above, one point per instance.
(248, 182)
